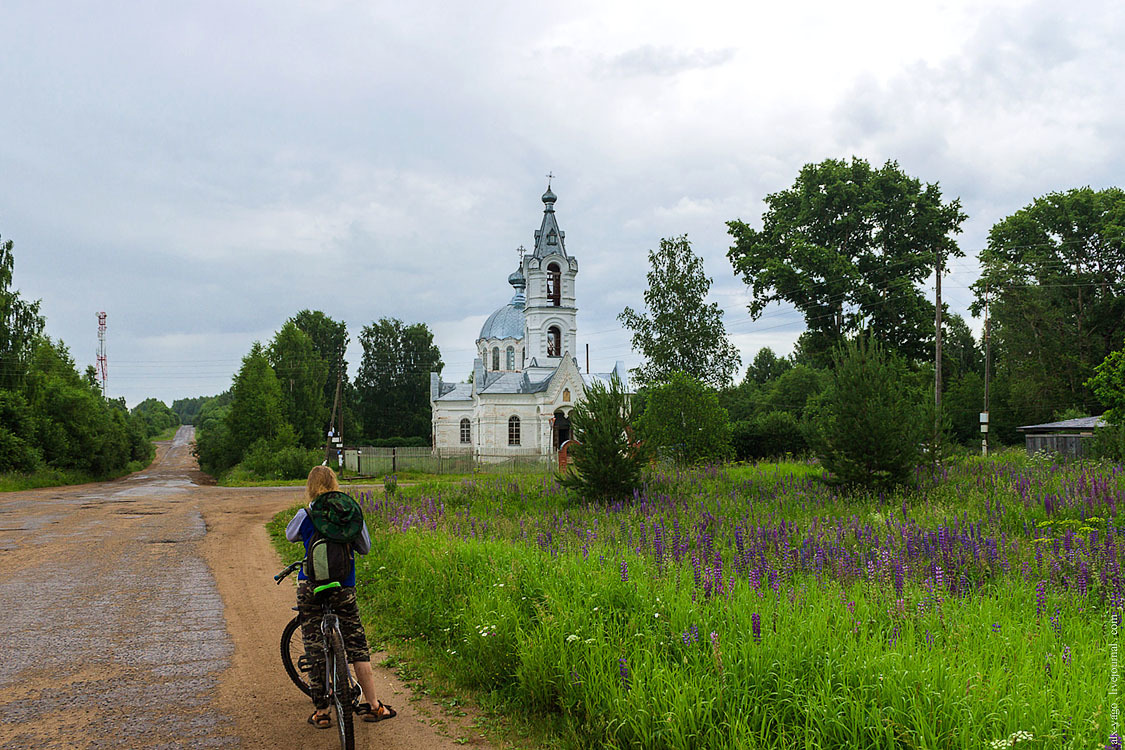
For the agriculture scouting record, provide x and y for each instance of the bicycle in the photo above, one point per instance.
(342, 690)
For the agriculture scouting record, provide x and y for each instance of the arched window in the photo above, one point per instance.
(511, 363)
(566, 394)
(554, 284)
(466, 431)
(513, 430)
(524, 358)
(495, 358)
(554, 342)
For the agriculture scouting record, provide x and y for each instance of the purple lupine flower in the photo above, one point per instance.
(624, 571)
(756, 626)
(1040, 598)
(996, 628)
(1066, 654)
(623, 670)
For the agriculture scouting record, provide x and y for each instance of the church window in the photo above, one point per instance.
(554, 342)
(466, 431)
(554, 284)
(511, 363)
(513, 430)
(552, 238)
(524, 358)
(566, 394)
(495, 358)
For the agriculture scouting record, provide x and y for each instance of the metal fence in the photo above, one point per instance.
(383, 461)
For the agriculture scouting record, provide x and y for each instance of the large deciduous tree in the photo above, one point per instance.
(330, 340)
(20, 324)
(256, 409)
(1054, 275)
(302, 374)
(848, 245)
(393, 382)
(680, 332)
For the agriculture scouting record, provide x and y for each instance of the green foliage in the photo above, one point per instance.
(256, 409)
(330, 340)
(18, 449)
(21, 325)
(276, 460)
(791, 392)
(770, 435)
(1108, 384)
(683, 419)
(1055, 273)
(393, 383)
(680, 332)
(302, 374)
(848, 245)
(155, 416)
(607, 461)
(399, 442)
(767, 366)
(869, 424)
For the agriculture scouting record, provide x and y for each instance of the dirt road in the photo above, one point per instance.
(141, 613)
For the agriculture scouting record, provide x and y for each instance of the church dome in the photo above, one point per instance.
(505, 323)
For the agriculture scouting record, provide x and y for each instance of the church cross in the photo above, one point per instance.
(521, 250)
(550, 176)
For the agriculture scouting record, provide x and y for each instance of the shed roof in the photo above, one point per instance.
(1082, 423)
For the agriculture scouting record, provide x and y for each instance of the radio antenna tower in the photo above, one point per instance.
(103, 363)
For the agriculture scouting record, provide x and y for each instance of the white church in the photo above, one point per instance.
(526, 379)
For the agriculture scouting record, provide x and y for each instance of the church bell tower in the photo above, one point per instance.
(550, 310)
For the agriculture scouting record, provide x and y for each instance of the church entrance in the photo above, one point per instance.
(562, 429)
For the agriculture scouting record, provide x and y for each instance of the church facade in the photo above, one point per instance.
(526, 379)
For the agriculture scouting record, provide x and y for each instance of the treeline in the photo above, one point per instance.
(274, 420)
(52, 418)
(849, 247)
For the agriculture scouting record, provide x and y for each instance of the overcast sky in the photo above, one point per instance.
(202, 171)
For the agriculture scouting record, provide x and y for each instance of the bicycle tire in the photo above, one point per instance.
(341, 691)
(292, 649)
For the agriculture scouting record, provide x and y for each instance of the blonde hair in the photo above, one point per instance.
(321, 480)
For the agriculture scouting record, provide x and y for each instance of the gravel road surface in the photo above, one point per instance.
(141, 613)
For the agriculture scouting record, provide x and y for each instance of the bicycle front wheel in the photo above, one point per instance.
(292, 649)
(342, 691)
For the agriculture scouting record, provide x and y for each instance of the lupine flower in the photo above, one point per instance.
(623, 670)
(756, 626)
(624, 571)
(1040, 598)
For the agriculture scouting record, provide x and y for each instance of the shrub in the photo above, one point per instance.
(683, 418)
(775, 433)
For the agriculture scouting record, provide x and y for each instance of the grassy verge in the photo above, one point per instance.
(14, 481)
(167, 434)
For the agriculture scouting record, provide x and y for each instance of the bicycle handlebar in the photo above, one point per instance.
(288, 569)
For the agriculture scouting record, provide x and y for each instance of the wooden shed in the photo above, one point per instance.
(1069, 437)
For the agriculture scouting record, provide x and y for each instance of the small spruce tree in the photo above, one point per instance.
(869, 423)
(607, 461)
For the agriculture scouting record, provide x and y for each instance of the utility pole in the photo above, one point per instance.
(937, 360)
(336, 421)
(986, 414)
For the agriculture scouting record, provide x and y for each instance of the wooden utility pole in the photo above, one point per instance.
(937, 360)
(986, 417)
(336, 428)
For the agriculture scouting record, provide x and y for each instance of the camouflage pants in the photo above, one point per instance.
(355, 640)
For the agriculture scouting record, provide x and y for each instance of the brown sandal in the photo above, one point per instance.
(320, 721)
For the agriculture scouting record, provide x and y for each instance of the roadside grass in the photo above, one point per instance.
(759, 606)
(16, 481)
(166, 434)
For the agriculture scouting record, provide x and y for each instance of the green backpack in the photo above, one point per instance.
(337, 522)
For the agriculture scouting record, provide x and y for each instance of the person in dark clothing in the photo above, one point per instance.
(321, 480)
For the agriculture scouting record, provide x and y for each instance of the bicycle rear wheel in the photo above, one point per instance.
(292, 649)
(342, 691)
